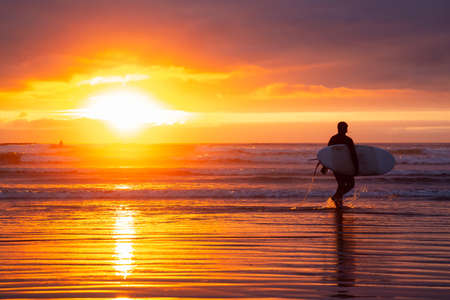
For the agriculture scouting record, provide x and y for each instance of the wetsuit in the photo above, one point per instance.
(345, 182)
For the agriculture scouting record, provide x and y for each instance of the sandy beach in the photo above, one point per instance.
(110, 249)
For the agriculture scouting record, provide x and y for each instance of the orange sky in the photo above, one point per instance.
(236, 71)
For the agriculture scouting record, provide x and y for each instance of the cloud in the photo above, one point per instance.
(249, 59)
(185, 74)
(114, 79)
(370, 44)
(298, 91)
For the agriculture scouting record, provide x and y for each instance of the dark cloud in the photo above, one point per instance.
(368, 44)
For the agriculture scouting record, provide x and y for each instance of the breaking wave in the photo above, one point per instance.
(225, 193)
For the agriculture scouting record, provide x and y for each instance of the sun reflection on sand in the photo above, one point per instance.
(124, 233)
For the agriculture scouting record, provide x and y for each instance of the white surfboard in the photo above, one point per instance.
(372, 160)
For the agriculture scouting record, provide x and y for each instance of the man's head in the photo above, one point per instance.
(342, 127)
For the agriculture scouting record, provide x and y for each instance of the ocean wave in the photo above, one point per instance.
(419, 172)
(248, 159)
(33, 158)
(422, 160)
(241, 193)
(260, 149)
(245, 154)
(407, 151)
(39, 171)
(35, 153)
(262, 174)
(425, 155)
(25, 148)
(251, 171)
(293, 160)
(69, 193)
(10, 158)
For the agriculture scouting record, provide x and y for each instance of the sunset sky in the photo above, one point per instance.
(224, 71)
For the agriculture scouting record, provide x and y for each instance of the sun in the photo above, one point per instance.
(130, 110)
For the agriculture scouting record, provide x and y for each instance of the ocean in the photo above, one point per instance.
(219, 221)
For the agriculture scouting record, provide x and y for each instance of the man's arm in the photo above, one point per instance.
(354, 156)
(324, 169)
(331, 141)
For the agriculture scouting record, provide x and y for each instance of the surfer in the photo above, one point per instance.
(345, 182)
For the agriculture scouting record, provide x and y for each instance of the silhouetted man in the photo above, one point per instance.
(345, 182)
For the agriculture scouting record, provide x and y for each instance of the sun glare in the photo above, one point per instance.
(129, 110)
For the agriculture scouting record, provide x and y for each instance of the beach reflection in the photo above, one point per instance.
(124, 234)
(345, 265)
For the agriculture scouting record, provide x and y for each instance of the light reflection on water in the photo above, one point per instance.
(124, 233)
(345, 264)
(203, 248)
(122, 187)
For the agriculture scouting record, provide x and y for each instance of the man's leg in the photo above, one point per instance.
(348, 185)
(337, 197)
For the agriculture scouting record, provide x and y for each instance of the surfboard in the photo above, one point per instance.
(372, 160)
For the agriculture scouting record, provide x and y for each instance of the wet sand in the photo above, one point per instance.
(223, 248)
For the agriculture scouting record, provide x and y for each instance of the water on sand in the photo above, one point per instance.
(216, 228)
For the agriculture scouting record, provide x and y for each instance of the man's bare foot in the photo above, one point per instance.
(337, 202)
